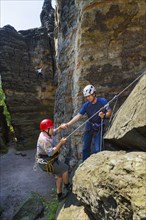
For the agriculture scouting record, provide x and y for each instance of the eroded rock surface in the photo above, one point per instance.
(112, 185)
(128, 129)
(72, 213)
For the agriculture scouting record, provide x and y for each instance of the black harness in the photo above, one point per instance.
(47, 164)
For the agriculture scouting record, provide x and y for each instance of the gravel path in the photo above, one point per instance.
(17, 180)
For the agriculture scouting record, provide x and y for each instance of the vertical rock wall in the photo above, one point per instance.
(66, 47)
(47, 21)
(29, 94)
(100, 43)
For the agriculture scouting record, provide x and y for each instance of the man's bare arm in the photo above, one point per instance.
(72, 121)
(75, 119)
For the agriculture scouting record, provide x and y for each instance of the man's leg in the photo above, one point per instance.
(66, 181)
(65, 177)
(87, 139)
(97, 138)
(61, 171)
(59, 184)
(60, 195)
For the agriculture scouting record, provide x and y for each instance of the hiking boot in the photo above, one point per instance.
(62, 196)
(68, 187)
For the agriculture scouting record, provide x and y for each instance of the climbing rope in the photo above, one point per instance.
(101, 134)
(113, 110)
(102, 108)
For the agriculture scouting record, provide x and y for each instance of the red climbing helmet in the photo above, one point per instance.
(45, 124)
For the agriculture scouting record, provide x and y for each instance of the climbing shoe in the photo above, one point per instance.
(68, 186)
(61, 196)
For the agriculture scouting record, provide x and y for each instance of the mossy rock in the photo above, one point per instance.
(32, 208)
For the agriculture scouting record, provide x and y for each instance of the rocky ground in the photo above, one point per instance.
(18, 179)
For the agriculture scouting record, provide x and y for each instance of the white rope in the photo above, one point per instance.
(115, 97)
(131, 83)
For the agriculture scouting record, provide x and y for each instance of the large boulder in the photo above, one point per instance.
(111, 185)
(128, 129)
(73, 213)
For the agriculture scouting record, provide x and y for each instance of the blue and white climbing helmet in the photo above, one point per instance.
(89, 90)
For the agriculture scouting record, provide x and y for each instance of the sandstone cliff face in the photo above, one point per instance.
(100, 43)
(47, 21)
(47, 17)
(66, 46)
(29, 93)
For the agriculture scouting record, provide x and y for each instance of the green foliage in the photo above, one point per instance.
(2, 96)
(6, 113)
(52, 206)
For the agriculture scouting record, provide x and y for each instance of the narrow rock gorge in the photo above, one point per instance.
(27, 69)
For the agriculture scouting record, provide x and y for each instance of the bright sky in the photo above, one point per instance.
(21, 14)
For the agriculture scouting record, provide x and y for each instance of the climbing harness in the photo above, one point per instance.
(102, 108)
(46, 164)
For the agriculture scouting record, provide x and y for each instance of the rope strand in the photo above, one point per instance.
(115, 97)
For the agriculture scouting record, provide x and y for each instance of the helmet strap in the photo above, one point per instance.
(47, 132)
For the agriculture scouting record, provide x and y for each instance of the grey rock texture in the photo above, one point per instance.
(111, 185)
(47, 21)
(129, 125)
(47, 17)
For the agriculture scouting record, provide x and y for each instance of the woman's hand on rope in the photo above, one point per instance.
(63, 141)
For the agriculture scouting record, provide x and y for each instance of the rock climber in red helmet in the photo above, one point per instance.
(47, 155)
